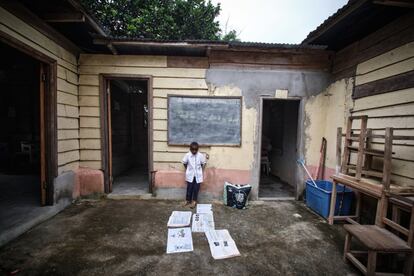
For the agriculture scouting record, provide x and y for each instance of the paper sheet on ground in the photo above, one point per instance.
(179, 219)
(179, 240)
(202, 222)
(204, 209)
(221, 244)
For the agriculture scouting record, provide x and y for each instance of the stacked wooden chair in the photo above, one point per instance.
(388, 235)
(361, 176)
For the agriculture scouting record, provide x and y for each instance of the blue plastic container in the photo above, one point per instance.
(319, 198)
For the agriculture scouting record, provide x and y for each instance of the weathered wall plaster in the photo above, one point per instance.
(324, 113)
(257, 84)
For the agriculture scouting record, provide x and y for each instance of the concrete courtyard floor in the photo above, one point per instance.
(128, 237)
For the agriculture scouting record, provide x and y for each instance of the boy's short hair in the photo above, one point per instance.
(194, 144)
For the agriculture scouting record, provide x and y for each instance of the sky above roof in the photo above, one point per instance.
(275, 21)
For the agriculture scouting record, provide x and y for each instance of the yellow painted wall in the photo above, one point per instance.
(174, 81)
(67, 86)
(324, 113)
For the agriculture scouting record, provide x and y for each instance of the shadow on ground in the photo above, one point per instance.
(128, 237)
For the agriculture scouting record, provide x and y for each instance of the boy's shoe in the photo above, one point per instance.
(185, 204)
(193, 204)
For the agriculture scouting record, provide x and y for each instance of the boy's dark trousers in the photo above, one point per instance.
(192, 190)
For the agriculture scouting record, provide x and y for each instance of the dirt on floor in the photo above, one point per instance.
(129, 237)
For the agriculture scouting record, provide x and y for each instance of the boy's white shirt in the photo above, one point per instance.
(194, 164)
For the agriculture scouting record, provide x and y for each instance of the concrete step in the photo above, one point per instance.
(282, 198)
(129, 196)
(22, 223)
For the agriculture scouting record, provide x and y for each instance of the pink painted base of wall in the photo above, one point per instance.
(88, 181)
(213, 179)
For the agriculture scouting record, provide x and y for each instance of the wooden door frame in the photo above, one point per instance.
(50, 111)
(298, 138)
(104, 113)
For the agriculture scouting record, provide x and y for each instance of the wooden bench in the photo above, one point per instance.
(377, 239)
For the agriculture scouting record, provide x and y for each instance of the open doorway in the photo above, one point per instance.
(26, 107)
(278, 149)
(20, 121)
(128, 125)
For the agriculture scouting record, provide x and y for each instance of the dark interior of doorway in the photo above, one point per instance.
(20, 192)
(279, 147)
(129, 130)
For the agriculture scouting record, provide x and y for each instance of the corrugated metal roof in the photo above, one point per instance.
(264, 45)
(201, 42)
(141, 39)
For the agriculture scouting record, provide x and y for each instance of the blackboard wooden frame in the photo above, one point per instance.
(169, 96)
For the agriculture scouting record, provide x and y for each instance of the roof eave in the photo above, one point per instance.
(117, 43)
(106, 41)
(334, 19)
(90, 20)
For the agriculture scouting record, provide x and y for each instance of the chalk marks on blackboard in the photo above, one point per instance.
(207, 120)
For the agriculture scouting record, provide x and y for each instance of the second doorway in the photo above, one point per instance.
(279, 149)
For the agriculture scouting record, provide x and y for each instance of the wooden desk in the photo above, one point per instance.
(365, 186)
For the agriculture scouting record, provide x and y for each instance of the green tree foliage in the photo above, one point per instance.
(230, 36)
(159, 19)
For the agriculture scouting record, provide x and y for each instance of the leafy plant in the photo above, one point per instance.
(160, 19)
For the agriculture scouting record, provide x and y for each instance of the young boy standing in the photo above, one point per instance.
(194, 163)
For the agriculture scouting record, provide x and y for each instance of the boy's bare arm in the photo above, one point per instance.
(205, 161)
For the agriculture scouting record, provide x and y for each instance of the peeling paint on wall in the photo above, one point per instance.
(256, 83)
(324, 114)
(253, 85)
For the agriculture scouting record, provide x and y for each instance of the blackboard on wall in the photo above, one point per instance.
(206, 120)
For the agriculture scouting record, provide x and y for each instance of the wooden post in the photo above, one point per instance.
(411, 233)
(386, 178)
(396, 217)
(372, 263)
(333, 203)
(409, 262)
(348, 142)
(368, 157)
(361, 148)
(358, 205)
(108, 96)
(347, 245)
(338, 149)
(42, 110)
(382, 207)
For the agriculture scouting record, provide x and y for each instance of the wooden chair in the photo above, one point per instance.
(350, 137)
(377, 239)
(265, 164)
(377, 181)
